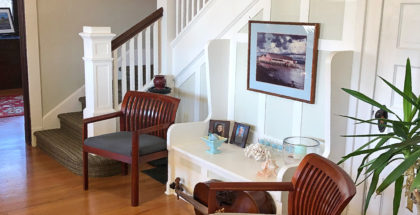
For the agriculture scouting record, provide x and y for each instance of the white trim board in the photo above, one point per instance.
(70, 104)
(34, 72)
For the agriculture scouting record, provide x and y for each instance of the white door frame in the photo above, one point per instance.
(363, 80)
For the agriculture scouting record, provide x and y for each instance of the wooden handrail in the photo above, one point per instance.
(130, 33)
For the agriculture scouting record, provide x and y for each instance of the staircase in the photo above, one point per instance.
(65, 146)
(111, 67)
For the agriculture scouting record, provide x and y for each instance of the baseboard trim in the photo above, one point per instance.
(70, 104)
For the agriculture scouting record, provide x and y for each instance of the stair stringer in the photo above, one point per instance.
(222, 20)
(70, 104)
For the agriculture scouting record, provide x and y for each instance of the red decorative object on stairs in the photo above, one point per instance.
(11, 106)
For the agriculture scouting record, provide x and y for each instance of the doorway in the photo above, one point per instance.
(14, 74)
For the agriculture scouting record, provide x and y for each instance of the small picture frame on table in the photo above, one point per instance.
(239, 134)
(220, 127)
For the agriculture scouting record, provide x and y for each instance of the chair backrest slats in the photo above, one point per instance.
(142, 110)
(321, 188)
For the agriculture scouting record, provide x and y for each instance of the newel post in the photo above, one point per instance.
(98, 77)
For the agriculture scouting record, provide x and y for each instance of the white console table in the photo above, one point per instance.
(231, 164)
(189, 160)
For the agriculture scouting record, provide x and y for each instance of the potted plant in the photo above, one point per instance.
(399, 145)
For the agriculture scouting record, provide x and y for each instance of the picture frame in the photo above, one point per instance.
(220, 127)
(282, 59)
(6, 21)
(239, 134)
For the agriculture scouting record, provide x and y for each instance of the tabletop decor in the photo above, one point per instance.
(257, 151)
(220, 127)
(214, 142)
(295, 148)
(282, 59)
(6, 21)
(396, 149)
(269, 169)
(239, 134)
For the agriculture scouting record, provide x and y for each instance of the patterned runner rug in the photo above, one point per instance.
(11, 106)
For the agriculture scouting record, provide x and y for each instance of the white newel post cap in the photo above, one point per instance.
(96, 30)
(97, 42)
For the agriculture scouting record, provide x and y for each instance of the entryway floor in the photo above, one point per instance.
(33, 183)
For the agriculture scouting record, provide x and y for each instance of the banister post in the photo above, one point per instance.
(98, 77)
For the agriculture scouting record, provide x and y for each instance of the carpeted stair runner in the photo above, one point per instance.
(65, 146)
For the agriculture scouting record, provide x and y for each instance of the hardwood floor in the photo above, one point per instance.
(33, 183)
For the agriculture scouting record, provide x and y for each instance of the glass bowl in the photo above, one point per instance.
(295, 148)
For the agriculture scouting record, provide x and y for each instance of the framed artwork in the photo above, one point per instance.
(220, 127)
(282, 59)
(239, 134)
(6, 21)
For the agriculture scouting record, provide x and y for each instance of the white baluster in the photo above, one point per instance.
(156, 38)
(132, 69)
(123, 69)
(197, 6)
(203, 2)
(192, 9)
(140, 60)
(115, 77)
(182, 15)
(148, 55)
(187, 12)
(177, 17)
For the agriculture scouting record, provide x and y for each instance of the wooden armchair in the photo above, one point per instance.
(144, 121)
(318, 187)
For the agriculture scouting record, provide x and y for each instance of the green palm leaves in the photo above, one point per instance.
(404, 149)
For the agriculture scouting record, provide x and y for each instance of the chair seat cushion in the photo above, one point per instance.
(120, 143)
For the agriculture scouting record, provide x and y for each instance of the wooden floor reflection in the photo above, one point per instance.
(33, 183)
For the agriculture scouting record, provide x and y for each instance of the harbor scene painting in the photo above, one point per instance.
(281, 59)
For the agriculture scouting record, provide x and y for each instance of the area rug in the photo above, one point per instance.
(11, 106)
(160, 172)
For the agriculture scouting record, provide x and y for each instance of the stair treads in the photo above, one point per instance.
(67, 150)
(74, 119)
(72, 123)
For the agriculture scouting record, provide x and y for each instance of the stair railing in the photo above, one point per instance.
(136, 55)
(187, 11)
(114, 66)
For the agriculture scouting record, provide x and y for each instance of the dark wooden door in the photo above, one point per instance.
(10, 72)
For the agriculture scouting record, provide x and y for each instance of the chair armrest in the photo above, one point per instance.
(244, 186)
(102, 117)
(252, 186)
(96, 119)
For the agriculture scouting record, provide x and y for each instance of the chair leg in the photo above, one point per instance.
(124, 168)
(135, 181)
(85, 171)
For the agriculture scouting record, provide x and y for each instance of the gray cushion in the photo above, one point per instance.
(120, 143)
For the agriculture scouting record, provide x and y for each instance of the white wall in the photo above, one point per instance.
(264, 112)
(60, 46)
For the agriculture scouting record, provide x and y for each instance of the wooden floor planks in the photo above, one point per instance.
(33, 183)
